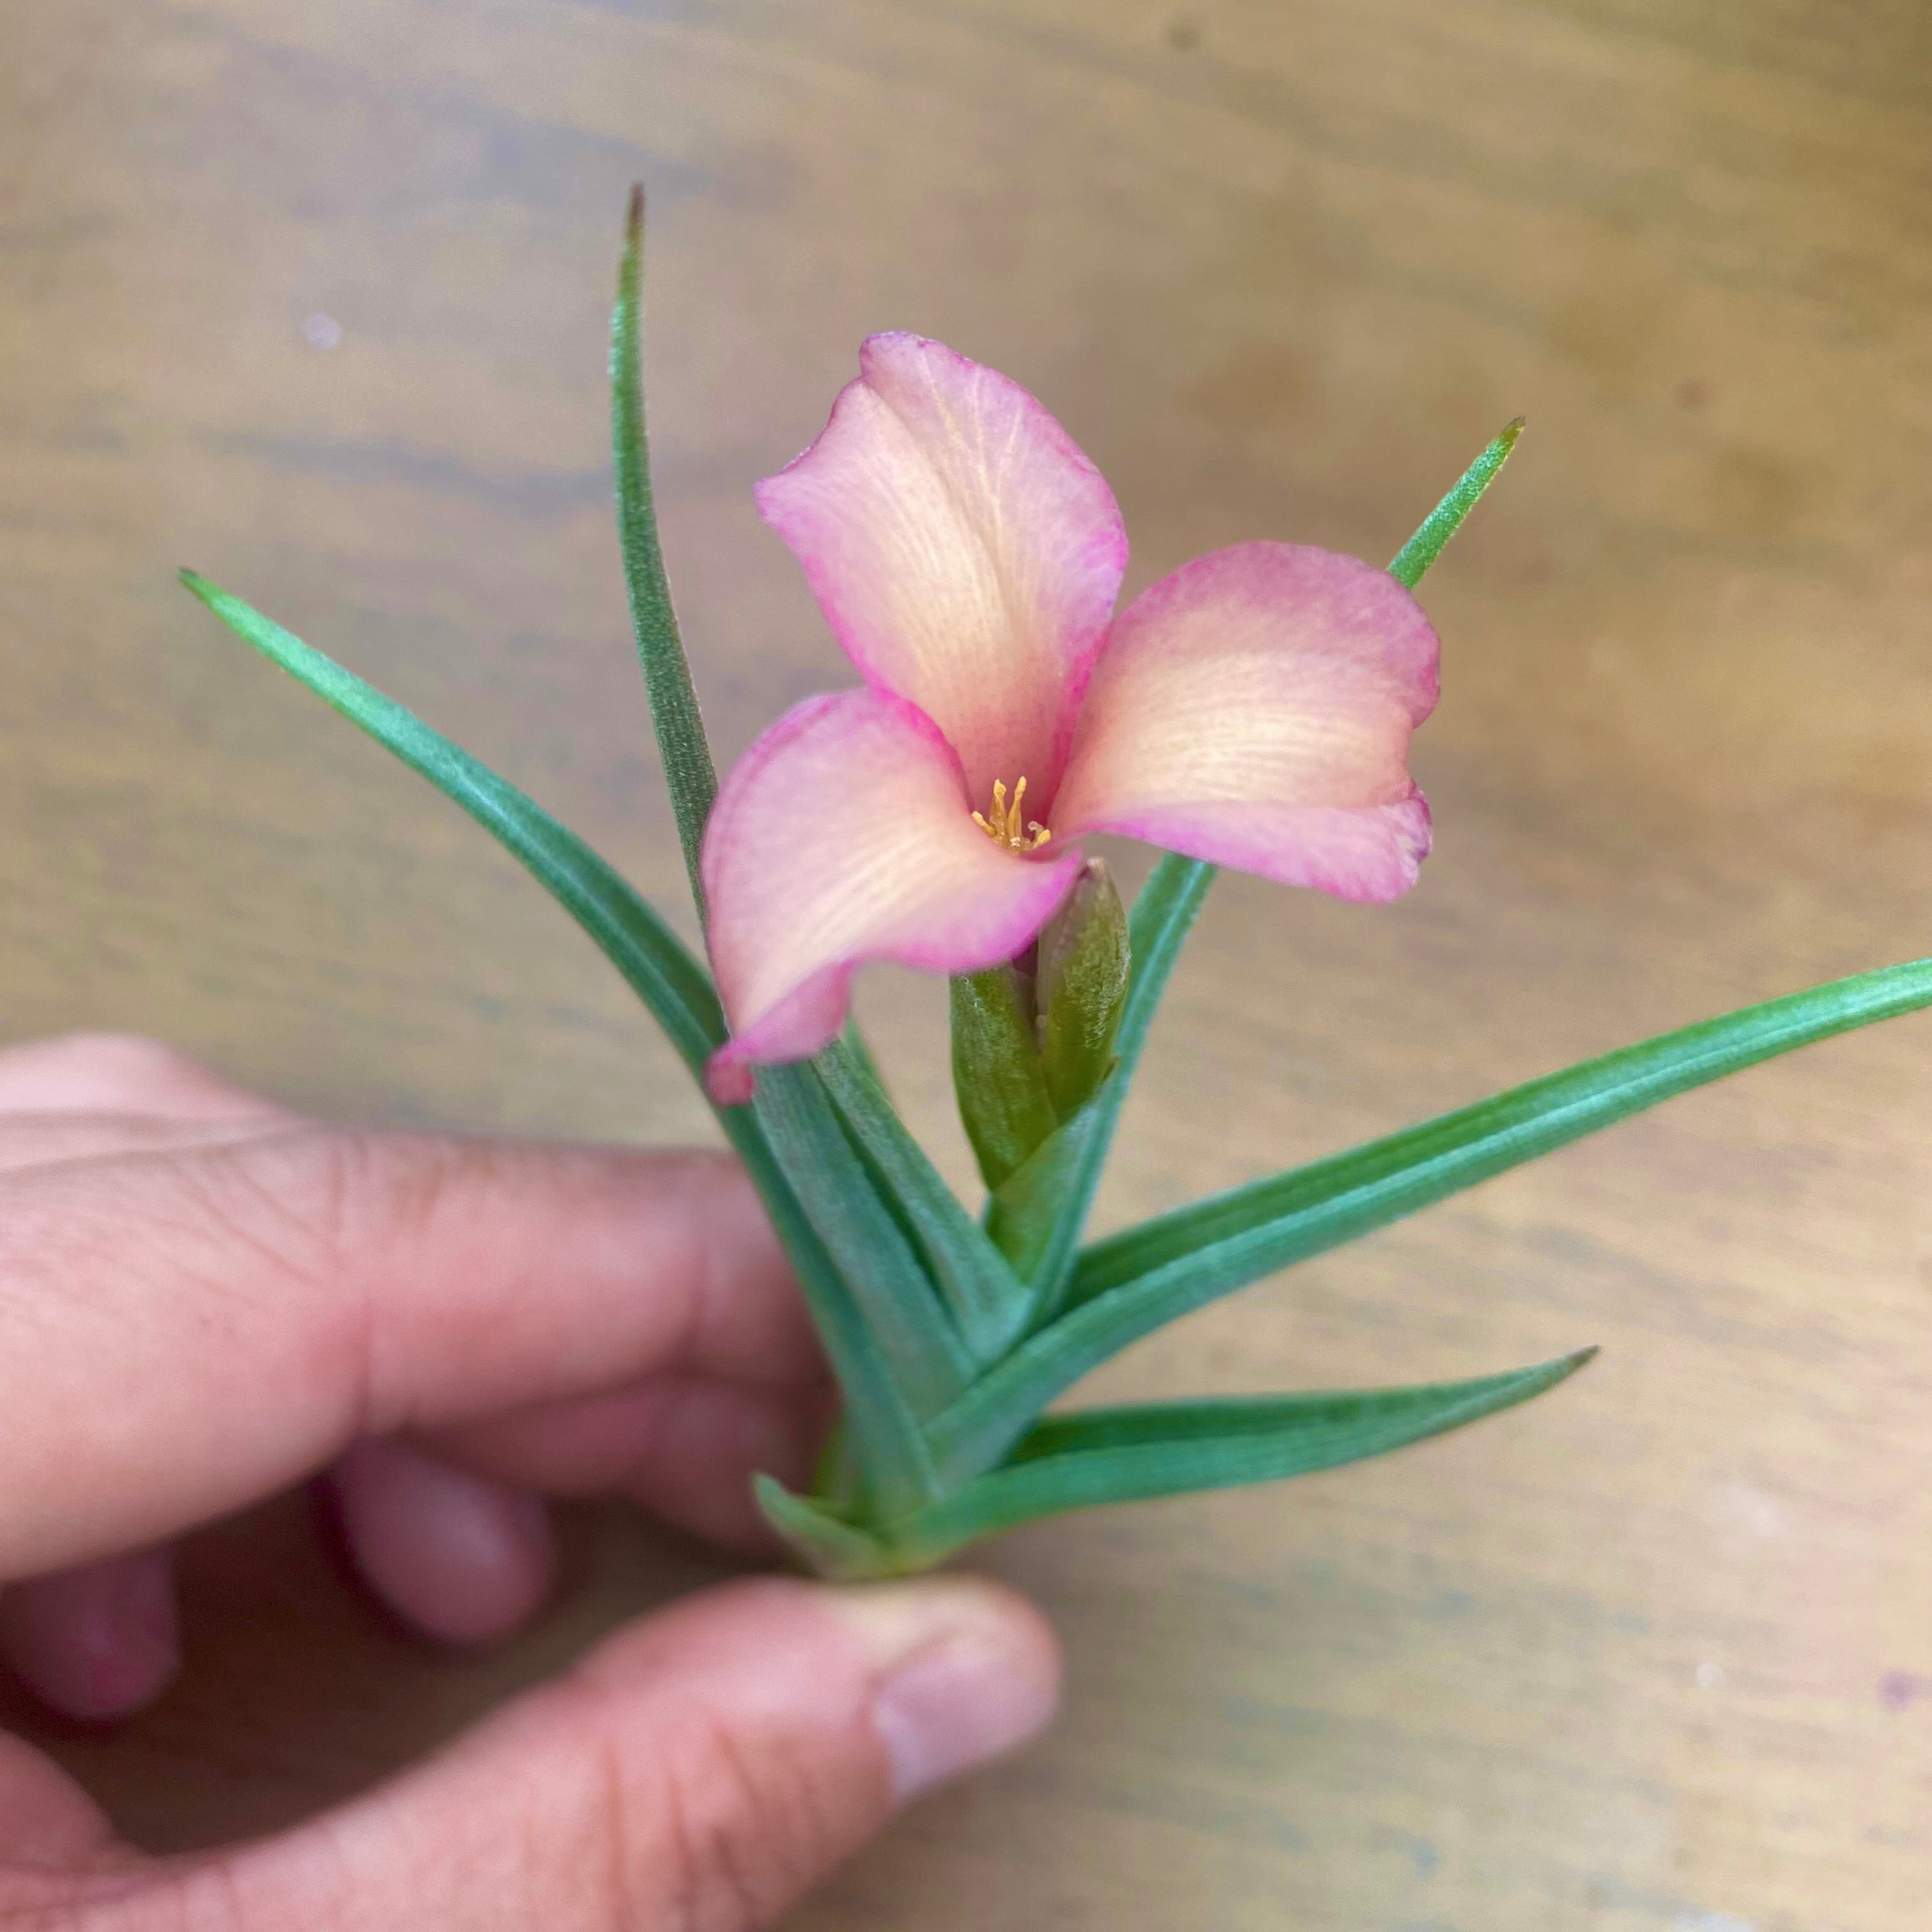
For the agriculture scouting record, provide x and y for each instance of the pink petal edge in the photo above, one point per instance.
(964, 549)
(1369, 854)
(1255, 708)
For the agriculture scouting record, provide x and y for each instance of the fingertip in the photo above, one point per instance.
(967, 1670)
(97, 1643)
(461, 1559)
(705, 1764)
(120, 1072)
(46, 1818)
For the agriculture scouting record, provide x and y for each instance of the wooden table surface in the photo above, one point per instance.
(315, 297)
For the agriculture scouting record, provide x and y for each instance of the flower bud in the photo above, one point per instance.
(996, 1070)
(1081, 987)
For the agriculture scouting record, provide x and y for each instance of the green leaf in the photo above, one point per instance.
(927, 1359)
(986, 1299)
(655, 962)
(830, 1546)
(1023, 1213)
(880, 1434)
(838, 1479)
(861, 1051)
(1131, 1455)
(833, 1191)
(996, 1076)
(689, 772)
(1138, 1280)
(658, 967)
(1446, 519)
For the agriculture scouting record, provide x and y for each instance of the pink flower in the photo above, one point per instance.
(1254, 709)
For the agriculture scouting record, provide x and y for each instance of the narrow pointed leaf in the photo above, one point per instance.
(1233, 1237)
(983, 1296)
(882, 1437)
(860, 1049)
(1140, 1279)
(1446, 519)
(1023, 1213)
(688, 770)
(839, 1481)
(1131, 1455)
(832, 1549)
(900, 1306)
(659, 968)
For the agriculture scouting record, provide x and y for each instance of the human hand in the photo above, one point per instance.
(204, 1299)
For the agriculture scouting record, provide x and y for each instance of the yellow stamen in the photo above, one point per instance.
(1002, 824)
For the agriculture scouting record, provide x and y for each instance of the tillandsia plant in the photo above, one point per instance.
(1253, 709)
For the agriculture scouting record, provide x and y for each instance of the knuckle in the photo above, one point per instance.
(396, 1197)
(318, 1195)
(124, 1073)
(276, 1201)
(404, 1185)
(132, 1062)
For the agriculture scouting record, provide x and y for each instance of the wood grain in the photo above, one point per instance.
(1655, 1653)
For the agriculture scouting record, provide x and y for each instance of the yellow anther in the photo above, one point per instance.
(1002, 824)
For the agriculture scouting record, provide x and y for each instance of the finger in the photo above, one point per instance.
(464, 1559)
(685, 1446)
(97, 1641)
(119, 1073)
(182, 1334)
(36, 1140)
(700, 1769)
(46, 1819)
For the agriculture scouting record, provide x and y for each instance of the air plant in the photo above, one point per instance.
(1252, 709)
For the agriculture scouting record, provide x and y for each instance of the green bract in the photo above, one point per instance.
(950, 1333)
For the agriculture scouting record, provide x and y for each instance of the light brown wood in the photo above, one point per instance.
(1656, 1652)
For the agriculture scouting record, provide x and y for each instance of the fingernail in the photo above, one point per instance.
(965, 1673)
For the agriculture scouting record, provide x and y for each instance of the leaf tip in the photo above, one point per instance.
(633, 218)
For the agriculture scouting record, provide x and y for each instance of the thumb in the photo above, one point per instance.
(699, 1770)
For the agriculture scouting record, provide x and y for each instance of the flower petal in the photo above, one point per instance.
(1254, 709)
(844, 834)
(963, 548)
